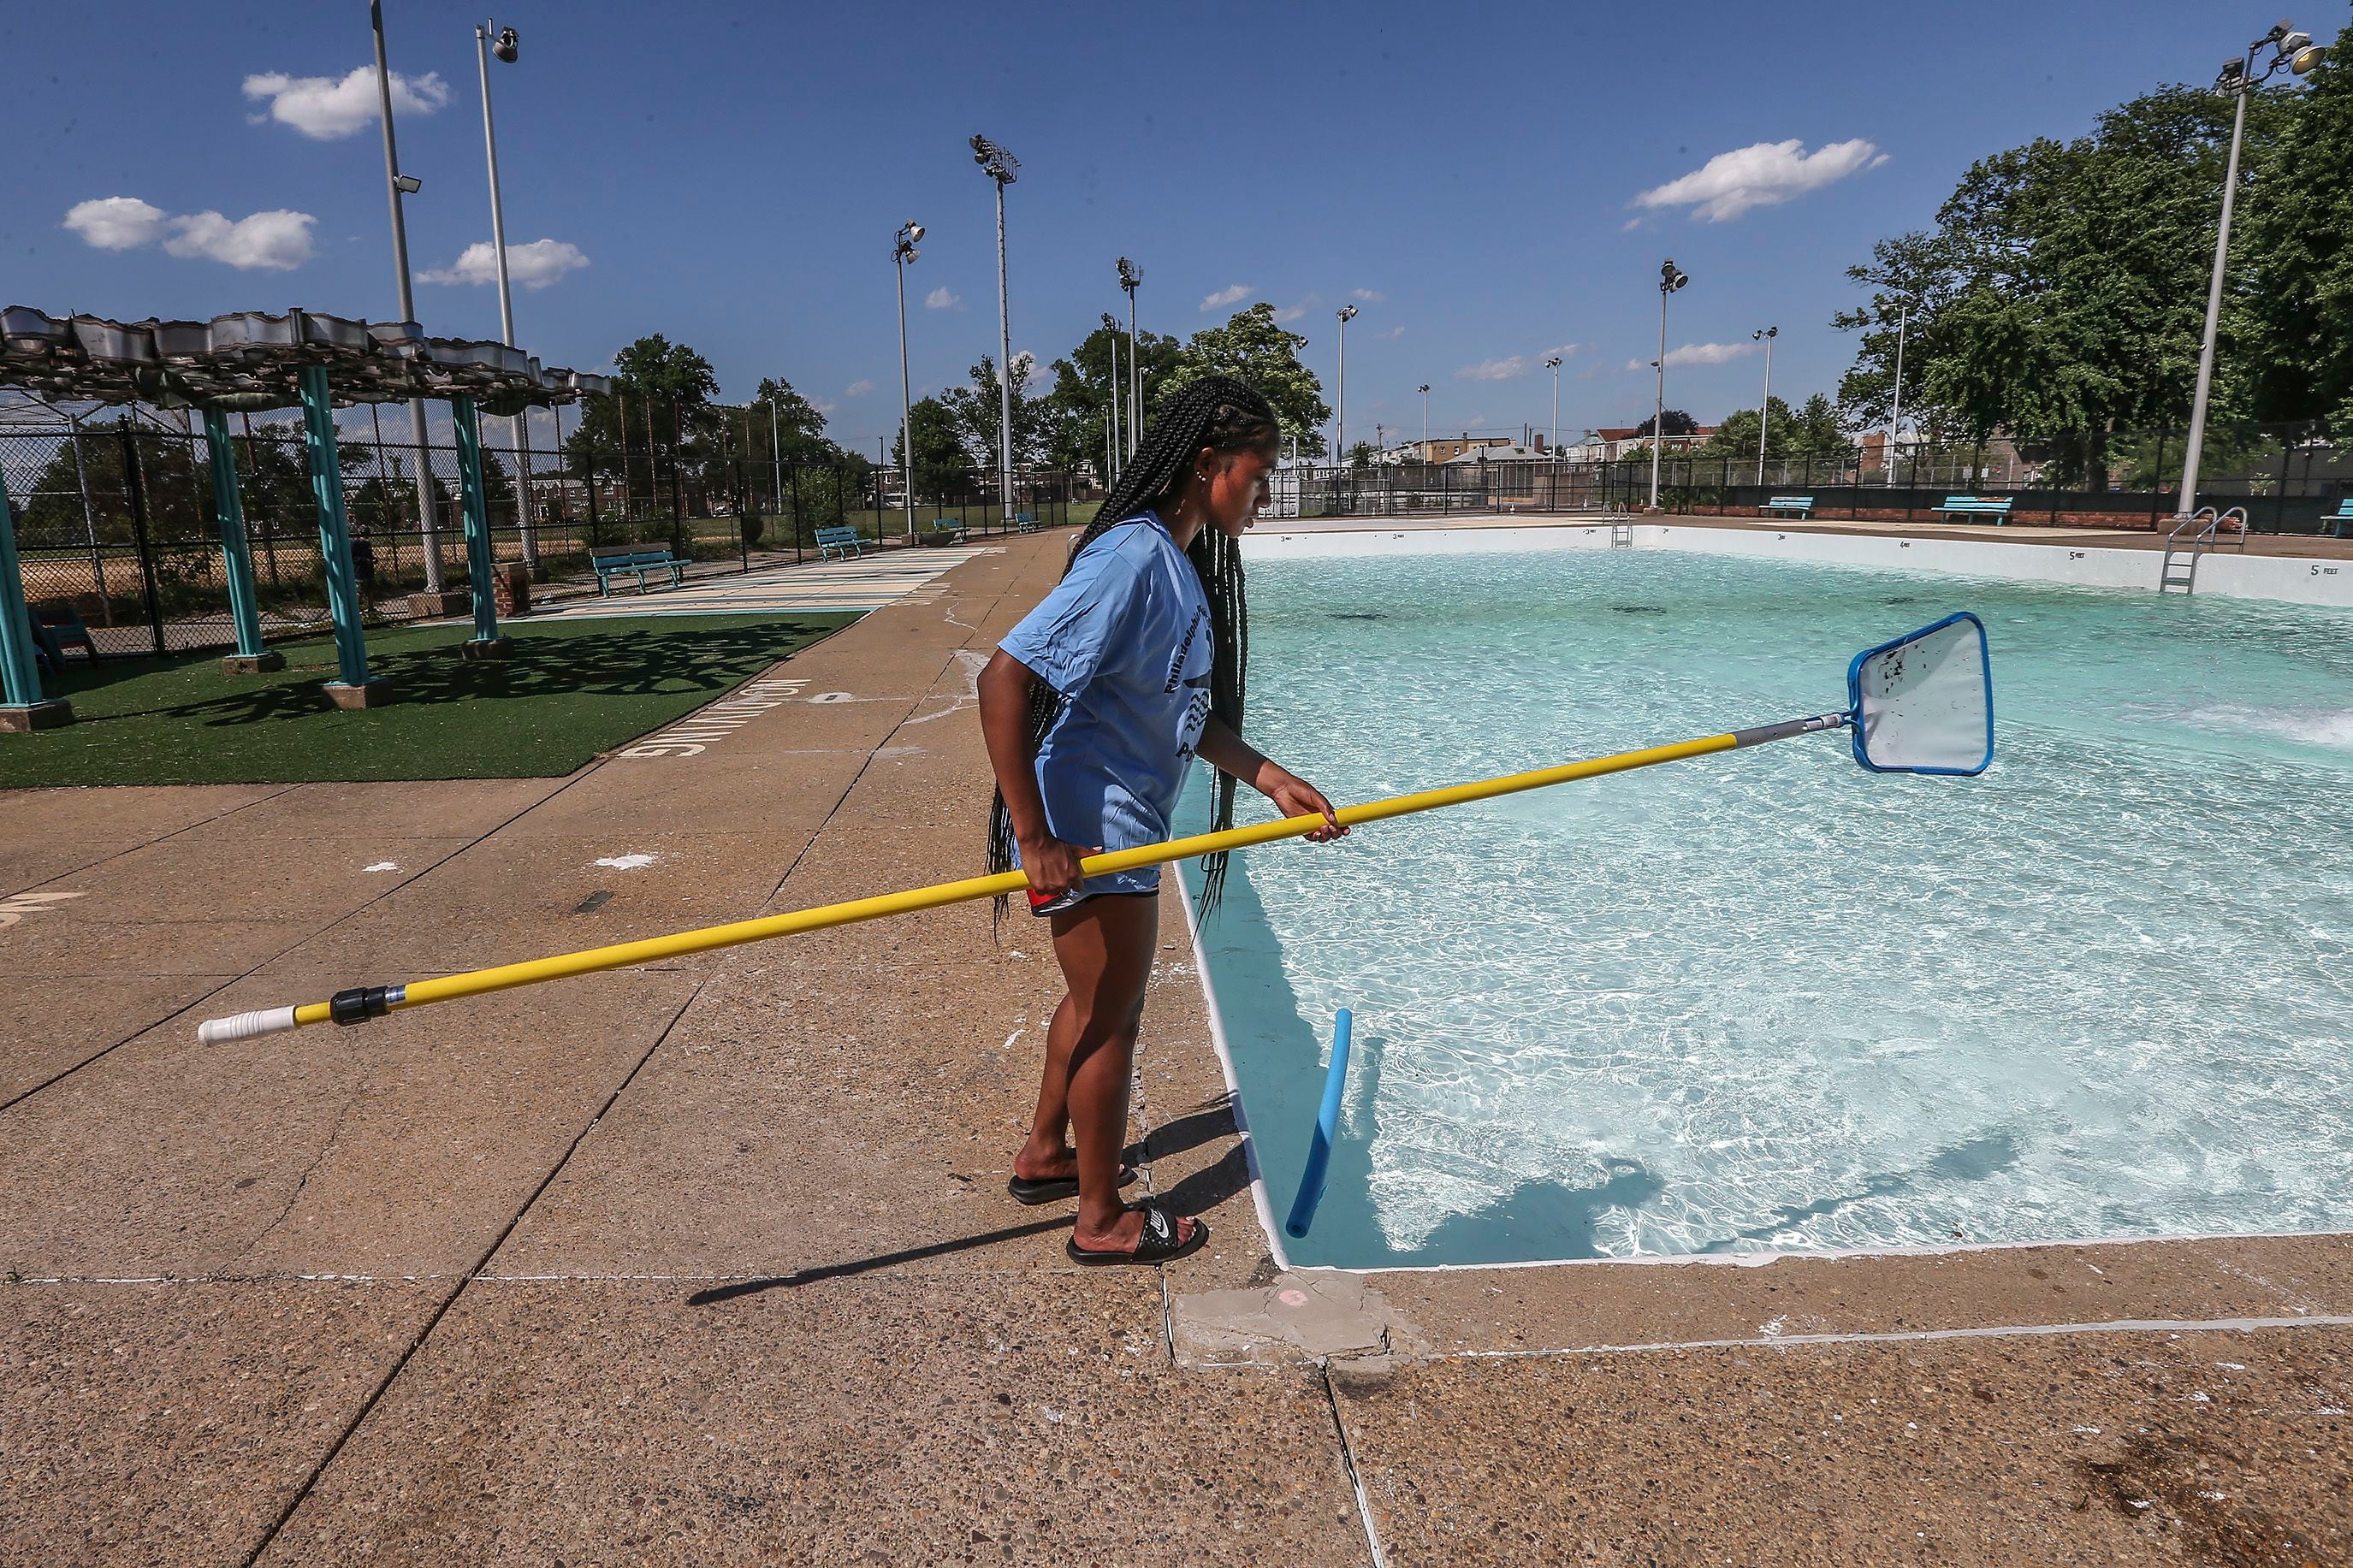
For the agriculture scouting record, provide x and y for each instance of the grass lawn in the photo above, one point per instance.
(573, 689)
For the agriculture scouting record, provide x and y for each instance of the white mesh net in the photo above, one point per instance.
(1925, 704)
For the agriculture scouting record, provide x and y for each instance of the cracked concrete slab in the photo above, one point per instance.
(1307, 1314)
(170, 1424)
(887, 1419)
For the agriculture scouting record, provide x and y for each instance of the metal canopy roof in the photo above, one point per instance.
(251, 360)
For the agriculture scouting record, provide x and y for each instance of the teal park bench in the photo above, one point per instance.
(2339, 518)
(953, 527)
(1801, 505)
(1023, 523)
(1997, 509)
(613, 561)
(839, 539)
(57, 626)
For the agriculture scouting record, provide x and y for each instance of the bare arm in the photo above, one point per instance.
(1052, 865)
(1294, 797)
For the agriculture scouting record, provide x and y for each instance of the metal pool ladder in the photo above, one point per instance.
(2202, 529)
(1622, 533)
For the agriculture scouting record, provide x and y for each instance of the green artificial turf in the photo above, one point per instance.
(571, 689)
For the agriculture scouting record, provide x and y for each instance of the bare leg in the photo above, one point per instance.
(1105, 947)
(1047, 1155)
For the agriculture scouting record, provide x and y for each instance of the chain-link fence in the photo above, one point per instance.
(2290, 479)
(116, 520)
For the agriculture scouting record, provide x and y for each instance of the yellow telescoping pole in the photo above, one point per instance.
(358, 1005)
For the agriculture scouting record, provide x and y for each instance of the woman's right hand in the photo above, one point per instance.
(1053, 866)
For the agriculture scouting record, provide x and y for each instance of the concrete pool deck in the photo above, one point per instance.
(711, 1261)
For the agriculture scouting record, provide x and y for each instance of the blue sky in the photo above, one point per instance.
(731, 175)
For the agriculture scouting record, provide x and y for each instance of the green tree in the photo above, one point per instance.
(1075, 431)
(798, 427)
(2294, 314)
(1254, 348)
(660, 408)
(2061, 296)
(1811, 430)
(978, 417)
(943, 467)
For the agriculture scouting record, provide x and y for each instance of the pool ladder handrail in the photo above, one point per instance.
(2179, 568)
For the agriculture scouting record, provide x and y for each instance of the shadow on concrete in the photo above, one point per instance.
(557, 659)
(729, 1292)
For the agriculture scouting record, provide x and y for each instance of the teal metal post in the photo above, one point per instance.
(480, 566)
(356, 687)
(236, 556)
(22, 706)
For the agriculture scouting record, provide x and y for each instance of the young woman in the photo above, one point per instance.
(1093, 709)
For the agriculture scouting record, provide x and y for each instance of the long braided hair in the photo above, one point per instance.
(1225, 415)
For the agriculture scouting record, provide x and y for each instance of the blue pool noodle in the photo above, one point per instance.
(1327, 1117)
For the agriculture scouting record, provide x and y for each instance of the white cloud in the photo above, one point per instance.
(940, 298)
(117, 223)
(326, 108)
(1369, 295)
(1698, 354)
(1392, 333)
(1563, 350)
(278, 239)
(1731, 183)
(1291, 312)
(1232, 294)
(859, 388)
(1494, 369)
(534, 265)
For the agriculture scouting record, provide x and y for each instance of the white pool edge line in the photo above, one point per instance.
(2313, 582)
(1259, 1200)
(1829, 1254)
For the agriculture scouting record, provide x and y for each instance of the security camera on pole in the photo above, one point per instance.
(904, 256)
(490, 38)
(1002, 168)
(1130, 275)
(2240, 77)
(1340, 413)
(1765, 409)
(1669, 281)
(407, 185)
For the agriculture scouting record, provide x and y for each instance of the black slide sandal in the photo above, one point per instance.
(1159, 1244)
(1054, 1189)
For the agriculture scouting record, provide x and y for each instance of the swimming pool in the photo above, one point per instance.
(1766, 1001)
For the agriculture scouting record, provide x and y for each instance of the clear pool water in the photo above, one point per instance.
(1767, 1000)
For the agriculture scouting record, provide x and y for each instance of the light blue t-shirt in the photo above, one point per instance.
(1124, 639)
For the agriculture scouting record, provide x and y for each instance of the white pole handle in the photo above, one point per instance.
(246, 1025)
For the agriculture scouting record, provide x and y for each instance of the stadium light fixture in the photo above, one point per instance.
(504, 45)
(1765, 409)
(2293, 51)
(1002, 169)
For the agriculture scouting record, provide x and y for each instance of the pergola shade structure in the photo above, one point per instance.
(249, 361)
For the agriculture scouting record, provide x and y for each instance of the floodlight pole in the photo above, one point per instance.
(426, 525)
(1130, 275)
(1340, 410)
(1554, 361)
(1110, 391)
(1669, 281)
(2238, 79)
(903, 258)
(1002, 168)
(1424, 390)
(1765, 409)
(518, 425)
(1895, 414)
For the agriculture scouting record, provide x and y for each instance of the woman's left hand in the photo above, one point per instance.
(1294, 797)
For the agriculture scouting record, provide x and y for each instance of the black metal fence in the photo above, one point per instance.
(116, 520)
(2290, 480)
